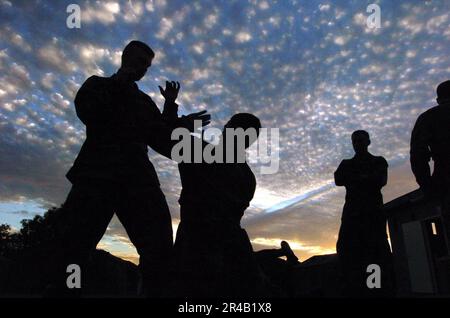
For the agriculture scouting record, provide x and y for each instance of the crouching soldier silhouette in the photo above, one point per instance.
(113, 174)
(213, 253)
(362, 236)
(430, 140)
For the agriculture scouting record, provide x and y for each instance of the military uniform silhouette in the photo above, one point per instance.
(362, 236)
(214, 253)
(121, 121)
(112, 173)
(430, 140)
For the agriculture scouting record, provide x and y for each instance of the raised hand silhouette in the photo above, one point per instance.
(113, 173)
(171, 91)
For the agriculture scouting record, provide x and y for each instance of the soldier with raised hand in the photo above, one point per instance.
(113, 174)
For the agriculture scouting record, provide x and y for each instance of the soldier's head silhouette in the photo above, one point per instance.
(249, 123)
(443, 93)
(360, 141)
(136, 59)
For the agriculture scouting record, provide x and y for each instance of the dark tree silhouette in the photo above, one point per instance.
(27, 260)
(41, 230)
(5, 236)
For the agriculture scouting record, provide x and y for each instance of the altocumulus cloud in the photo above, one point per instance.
(311, 68)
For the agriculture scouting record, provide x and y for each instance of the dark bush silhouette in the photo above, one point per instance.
(26, 259)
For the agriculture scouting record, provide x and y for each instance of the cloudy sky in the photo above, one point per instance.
(313, 69)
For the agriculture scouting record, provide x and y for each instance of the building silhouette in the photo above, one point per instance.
(420, 245)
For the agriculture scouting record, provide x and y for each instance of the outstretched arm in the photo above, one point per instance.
(170, 112)
(159, 132)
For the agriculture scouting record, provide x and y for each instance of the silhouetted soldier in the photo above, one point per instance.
(214, 253)
(430, 140)
(112, 173)
(362, 236)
